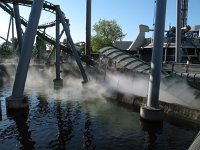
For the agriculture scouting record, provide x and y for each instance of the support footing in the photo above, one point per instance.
(151, 113)
(84, 82)
(58, 83)
(16, 103)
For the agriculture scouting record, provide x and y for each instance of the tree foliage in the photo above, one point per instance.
(9, 49)
(107, 32)
(40, 51)
(6, 49)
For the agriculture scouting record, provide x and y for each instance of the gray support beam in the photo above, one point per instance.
(50, 55)
(58, 81)
(13, 36)
(156, 63)
(8, 32)
(17, 98)
(57, 47)
(165, 56)
(18, 26)
(67, 22)
(75, 53)
(152, 110)
(88, 28)
(178, 32)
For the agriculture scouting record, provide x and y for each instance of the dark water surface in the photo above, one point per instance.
(63, 120)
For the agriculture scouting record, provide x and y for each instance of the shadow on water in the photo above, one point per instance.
(152, 128)
(24, 135)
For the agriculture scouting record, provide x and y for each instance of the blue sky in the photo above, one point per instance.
(128, 14)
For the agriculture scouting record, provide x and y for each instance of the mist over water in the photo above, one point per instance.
(78, 116)
(171, 90)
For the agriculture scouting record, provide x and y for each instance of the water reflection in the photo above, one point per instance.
(0, 111)
(87, 135)
(42, 105)
(65, 126)
(24, 135)
(60, 123)
(152, 128)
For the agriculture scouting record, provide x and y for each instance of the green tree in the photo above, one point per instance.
(14, 42)
(107, 32)
(40, 48)
(6, 49)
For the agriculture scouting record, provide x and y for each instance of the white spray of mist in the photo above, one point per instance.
(73, 89)
(171, 90)
(128, 84)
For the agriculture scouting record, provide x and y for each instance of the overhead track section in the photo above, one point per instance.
(47, 6)
(40, 33)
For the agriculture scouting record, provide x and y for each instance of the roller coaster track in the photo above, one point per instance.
(47, 6)
(4, 39)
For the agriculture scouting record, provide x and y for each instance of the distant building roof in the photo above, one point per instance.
(122, 44)
(195, 28)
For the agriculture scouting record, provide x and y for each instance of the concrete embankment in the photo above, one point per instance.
(172, 111)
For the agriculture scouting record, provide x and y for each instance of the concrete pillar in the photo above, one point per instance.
(17, 100)
(58, 82)
(152, 111)
(178, 32)
(88, 28)
(75, 53)
(18, 26)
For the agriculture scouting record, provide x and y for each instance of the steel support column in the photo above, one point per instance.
(13, 36)
(58, 81)
(75, 53)
(88, 28)
(17, 99)
(49, 57)
(67, 22)
(152, 111)
(18, 26)
(8, 32)
(178, 32)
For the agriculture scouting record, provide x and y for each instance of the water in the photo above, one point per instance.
(67, 119)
